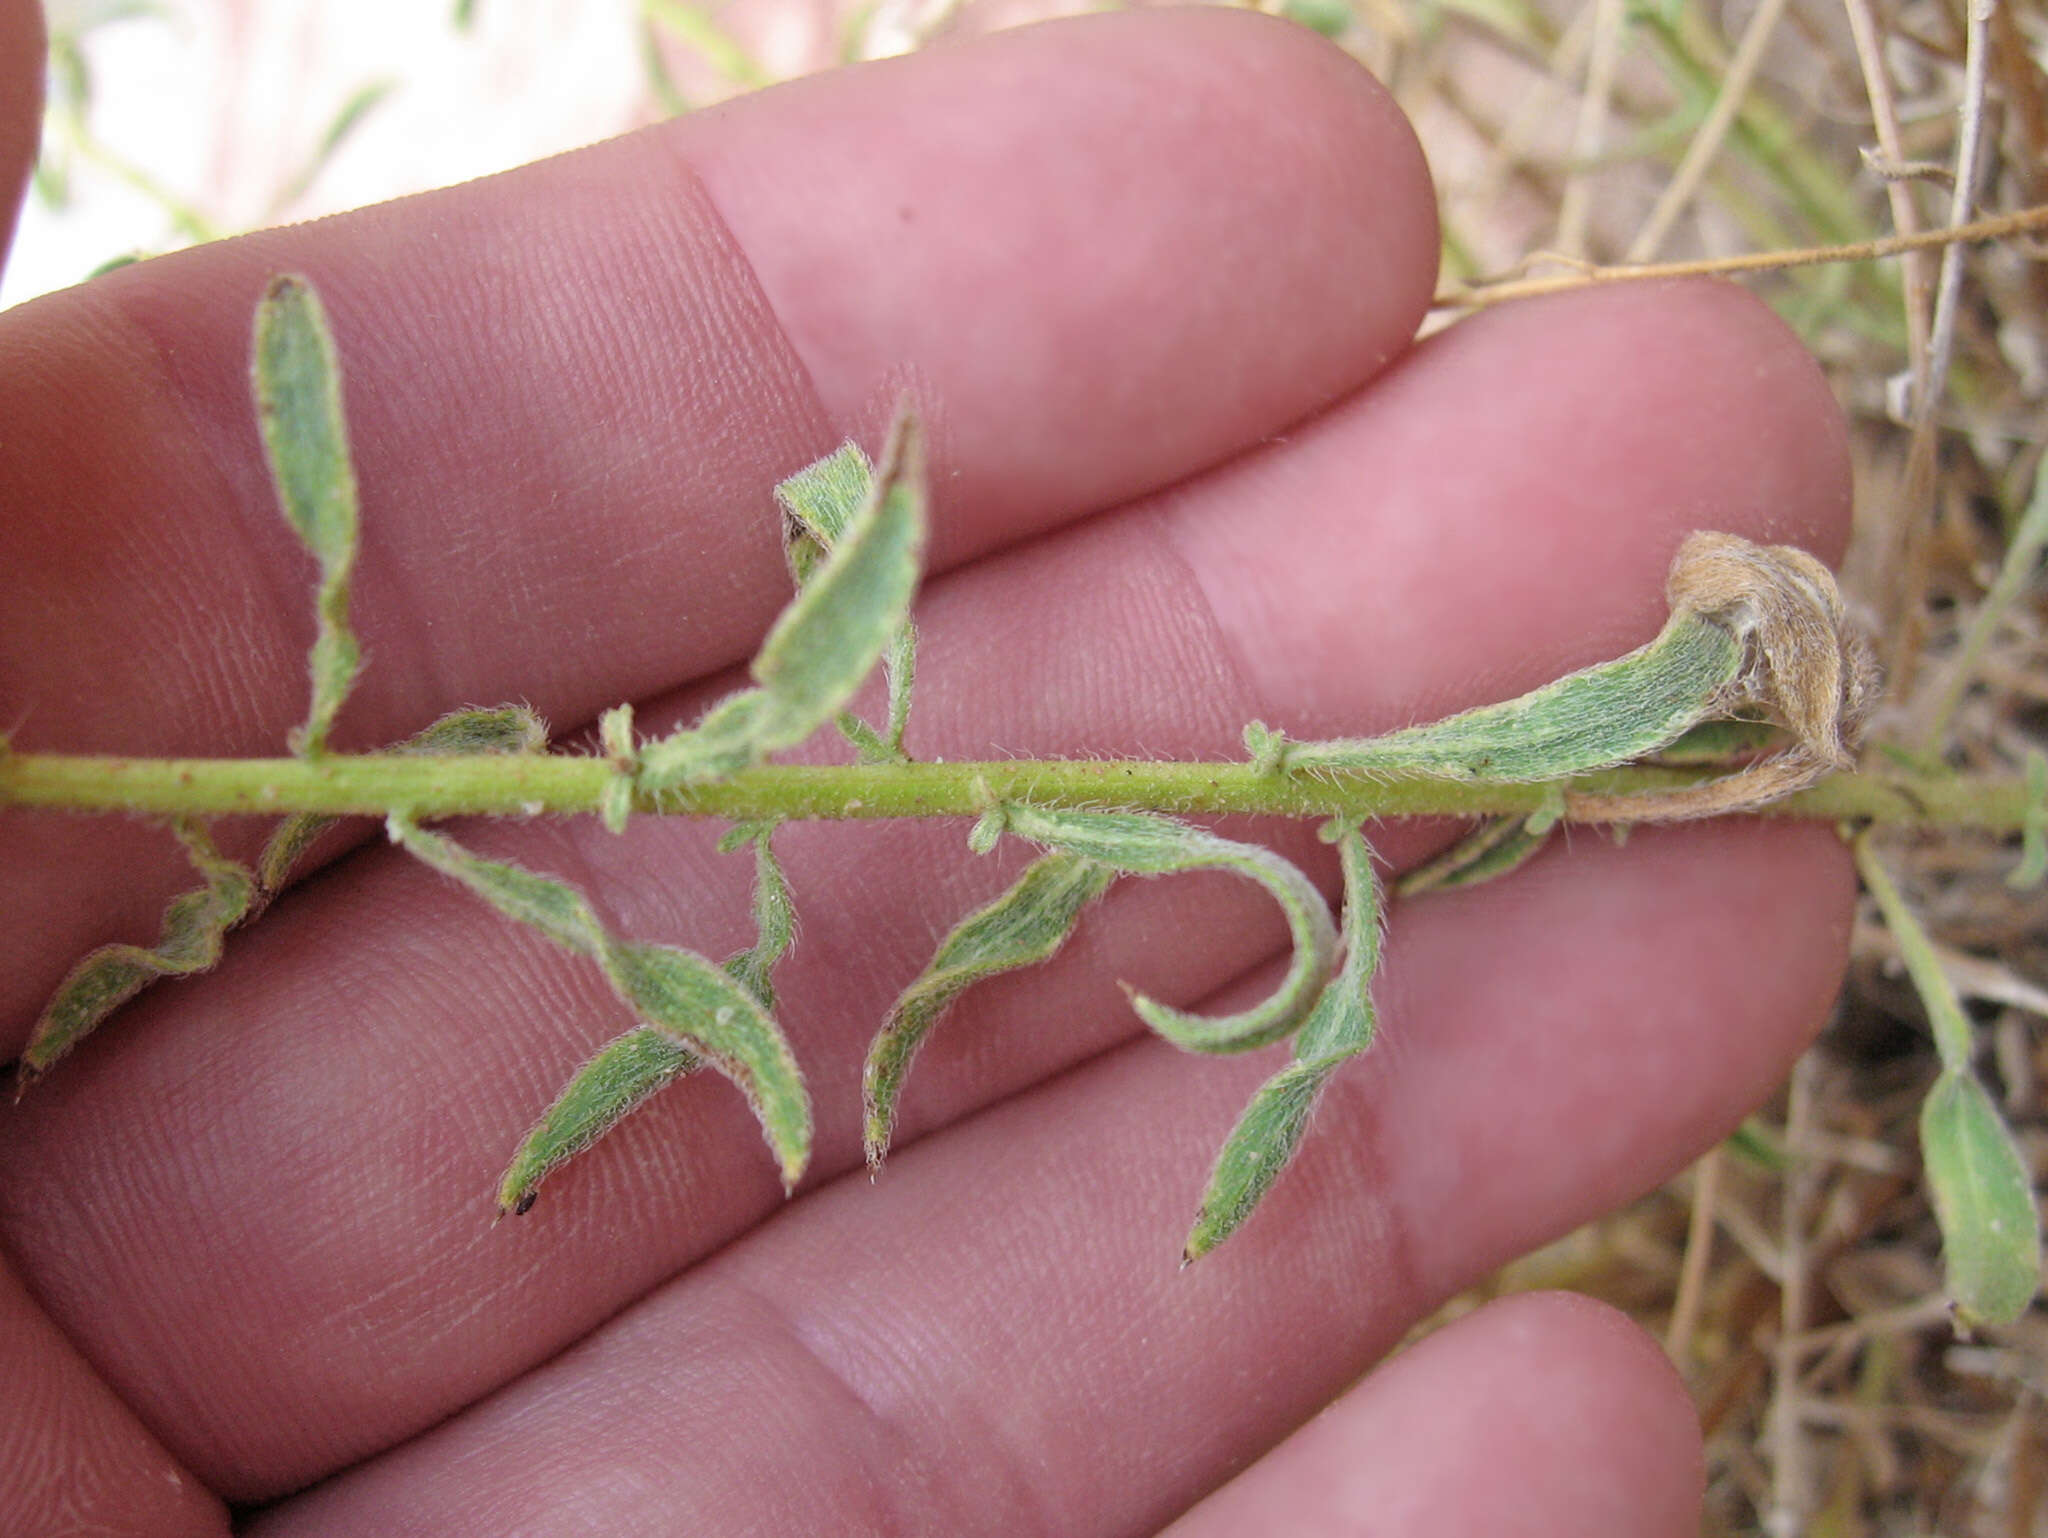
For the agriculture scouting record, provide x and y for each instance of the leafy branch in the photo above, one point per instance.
(1751, 699)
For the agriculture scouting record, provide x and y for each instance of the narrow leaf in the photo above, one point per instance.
(690, 999)
(1721, 742)
(499, 729)
(1497, 847)
(825, 642)
(1143, 845)
(644, 1060)
(774, 914)
(1025, 925)
(1984, 1200)
(818, 503)
(1592, 719)
(305, 438)
(604, 1090)
(1339, 1027)
(190, 941)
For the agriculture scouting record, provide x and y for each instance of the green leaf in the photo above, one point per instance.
(1025, 925)
(818, 502)
(847, 614)
(1721, 742)
(603, 1091)
(1144, 845)
(694, 1001)
(1496, 848)
(774, 915)
(190, 941)
(1340, 1026)
(1990, 1228)
(644, 1060)
(1754, 629)
(499, 729)
(1592, 719)
(305, 438)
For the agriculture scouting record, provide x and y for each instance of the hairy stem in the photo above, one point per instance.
(377, 784)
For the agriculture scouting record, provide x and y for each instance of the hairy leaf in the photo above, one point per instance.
(774, 915)
(1592, 719)
(1753, 628)
(1339, 1027)
(828, 639)
(1025, 925)
(694, 1001)
(1984, 1199)
(1144, 845)
(633, 1067)
(190, 941)
(603, 1091)
(818, 503)
(305, 438)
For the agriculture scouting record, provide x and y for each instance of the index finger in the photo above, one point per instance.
(1104, 254)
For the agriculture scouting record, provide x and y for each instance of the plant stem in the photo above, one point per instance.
(532, 784)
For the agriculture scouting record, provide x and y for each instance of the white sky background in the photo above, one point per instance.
(223, 102)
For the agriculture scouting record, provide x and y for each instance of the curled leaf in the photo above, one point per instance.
(1025, 925)
(305, 439)
(1984, 1200)
(828, 639)
(635, 1066)
(774, 915)
(603, 1091)
(1143, 845)
(1591, 719)
(1340, 1026)
(1753, 628)
(818, 503)
(190, 941)
(694, 1001)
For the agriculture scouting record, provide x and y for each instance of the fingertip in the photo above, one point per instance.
(1234, 227)
(1544, 1415)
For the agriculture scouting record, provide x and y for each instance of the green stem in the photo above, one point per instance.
(374, 785)
(1954, 1038)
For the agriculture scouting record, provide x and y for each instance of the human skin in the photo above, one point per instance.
(1153, 280)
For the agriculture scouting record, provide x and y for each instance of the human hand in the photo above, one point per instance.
(1152, 279)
